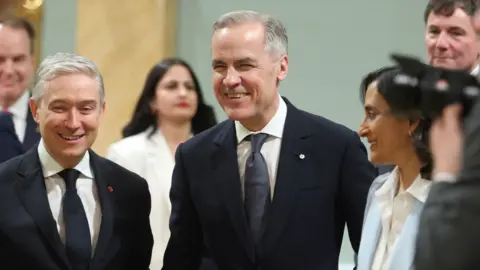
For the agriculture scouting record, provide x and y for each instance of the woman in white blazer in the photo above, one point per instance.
(397, 132)
(169, 111)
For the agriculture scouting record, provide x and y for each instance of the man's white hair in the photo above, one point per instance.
(276, 39)
(60, 64)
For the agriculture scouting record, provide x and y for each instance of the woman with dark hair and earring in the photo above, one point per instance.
(369, 78)
(397, 133)
(170, 110)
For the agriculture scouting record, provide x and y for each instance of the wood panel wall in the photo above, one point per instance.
(125, 39)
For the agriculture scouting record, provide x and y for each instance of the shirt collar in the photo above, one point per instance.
(51, 167)
(273, 128)
(419, 188)
(20, 107)
(157, 137)
(476, 70)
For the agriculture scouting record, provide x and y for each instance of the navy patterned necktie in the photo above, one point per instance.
(11, 145)
(257, 187)
(78, 245)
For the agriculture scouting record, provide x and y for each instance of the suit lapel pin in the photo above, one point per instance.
(301, 156)
(110, 189)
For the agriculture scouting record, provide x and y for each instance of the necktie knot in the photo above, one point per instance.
(257, 141)
(70, 177)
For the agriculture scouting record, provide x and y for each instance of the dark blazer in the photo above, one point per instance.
(313, 199)
(449, 232)
(28, 233)
(11, 146)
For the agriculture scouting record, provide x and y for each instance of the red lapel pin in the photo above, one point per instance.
(110, 189)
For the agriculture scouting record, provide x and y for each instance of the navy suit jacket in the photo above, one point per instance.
(28, 232)
(11, 146)
(313, 199)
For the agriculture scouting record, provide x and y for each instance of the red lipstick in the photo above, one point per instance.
(183, 104)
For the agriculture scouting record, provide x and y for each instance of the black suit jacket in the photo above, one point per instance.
(449, 231)
(313, 198)
(11, 146)
(28, 233)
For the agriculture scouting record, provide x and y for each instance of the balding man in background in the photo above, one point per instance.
(18, 130)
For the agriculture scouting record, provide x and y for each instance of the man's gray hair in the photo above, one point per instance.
(60, 64)
(276, 39)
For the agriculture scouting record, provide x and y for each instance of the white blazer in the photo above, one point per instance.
(152, 159)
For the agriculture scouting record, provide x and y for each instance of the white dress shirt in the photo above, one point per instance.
(475, 70)
(270, 149)
(86, 188)
(19, 111)
(395, 207)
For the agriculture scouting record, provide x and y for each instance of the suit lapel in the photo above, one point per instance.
(105, 192)
(226, 174)
(293, 167)
(32, 135)
(160, 163)
(404, 250)
(32, 193)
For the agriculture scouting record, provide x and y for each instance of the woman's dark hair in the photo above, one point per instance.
(371, 77)
(143, 117)
(404, 103)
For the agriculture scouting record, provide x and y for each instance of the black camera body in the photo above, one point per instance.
(437, 87)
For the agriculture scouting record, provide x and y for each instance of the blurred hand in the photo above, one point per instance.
(446, 141)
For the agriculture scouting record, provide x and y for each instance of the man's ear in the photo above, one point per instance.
(34, 109)
(282, 74)
(102, 108)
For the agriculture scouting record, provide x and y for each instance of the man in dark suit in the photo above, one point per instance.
(18, 130)
(272, 187)
(448, 236)
(61, 205)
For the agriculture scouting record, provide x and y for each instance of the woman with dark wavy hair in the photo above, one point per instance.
(397, 132)
(170, 110)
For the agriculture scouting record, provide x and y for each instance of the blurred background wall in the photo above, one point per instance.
(332, 45)
(125, 39)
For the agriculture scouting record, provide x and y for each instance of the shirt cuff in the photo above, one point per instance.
(444, 177)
